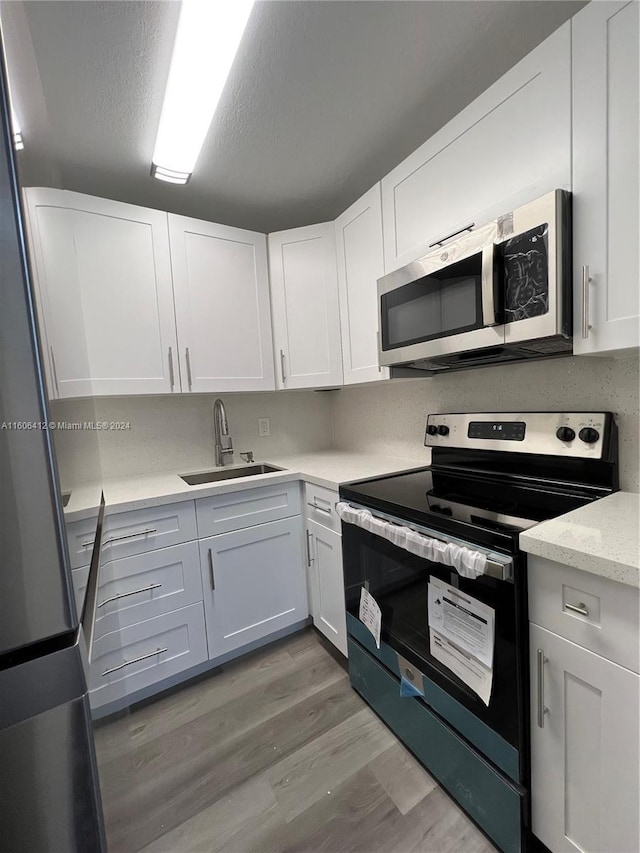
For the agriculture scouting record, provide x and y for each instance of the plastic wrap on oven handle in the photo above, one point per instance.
(467, 562)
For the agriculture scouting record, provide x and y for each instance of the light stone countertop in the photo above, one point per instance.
(602, 538)
(326, 468)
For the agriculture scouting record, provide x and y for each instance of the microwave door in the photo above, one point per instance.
(440, 305)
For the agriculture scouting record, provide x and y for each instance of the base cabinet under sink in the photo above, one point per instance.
(253, 583)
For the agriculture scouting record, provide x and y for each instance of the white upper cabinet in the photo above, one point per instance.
(511, 145)
(103, 274)
(606, 178)
(304, 301)
(360, 265)
(223, 316)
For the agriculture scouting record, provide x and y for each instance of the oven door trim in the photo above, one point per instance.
(499, 566)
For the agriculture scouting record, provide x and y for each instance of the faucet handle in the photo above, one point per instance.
(247, 455)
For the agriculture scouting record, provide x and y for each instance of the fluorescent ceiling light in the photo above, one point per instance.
(208, 36)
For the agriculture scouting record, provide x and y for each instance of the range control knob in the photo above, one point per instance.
(432, 429)
(565, 434)
(589, 435)
(443, 429)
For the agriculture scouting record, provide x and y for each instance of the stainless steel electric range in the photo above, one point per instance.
(436, 594)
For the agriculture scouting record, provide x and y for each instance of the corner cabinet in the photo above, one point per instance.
(103, 278)
(585, 710)
(223, 316)
(360, 264)
(606, 178)
(304, 301)
(509, 146)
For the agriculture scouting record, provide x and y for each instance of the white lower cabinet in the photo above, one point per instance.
(327, 584)
(253, 582)
(138, 656)
(584, 748)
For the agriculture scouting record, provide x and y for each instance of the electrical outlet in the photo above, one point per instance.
(264, 427)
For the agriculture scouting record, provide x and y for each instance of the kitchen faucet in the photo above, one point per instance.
(221, 429)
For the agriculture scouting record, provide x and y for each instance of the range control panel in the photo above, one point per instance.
(573, 434)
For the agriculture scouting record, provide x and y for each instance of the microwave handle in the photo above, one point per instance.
(453, 234)
(489, 312)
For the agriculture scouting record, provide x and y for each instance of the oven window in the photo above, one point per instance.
(525, 263)
(399, 583)
(442, 303)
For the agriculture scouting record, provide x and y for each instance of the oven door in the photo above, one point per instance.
(399, 582)
(443, 303)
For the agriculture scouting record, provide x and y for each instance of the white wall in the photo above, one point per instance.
(175, 433)
(390, 417)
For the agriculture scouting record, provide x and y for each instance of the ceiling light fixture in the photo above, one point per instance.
(209, 33)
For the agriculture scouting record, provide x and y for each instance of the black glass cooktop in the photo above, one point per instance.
(454, 501)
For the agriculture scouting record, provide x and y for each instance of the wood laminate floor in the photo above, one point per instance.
(272, 753)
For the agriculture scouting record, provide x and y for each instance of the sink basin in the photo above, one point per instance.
(228, 474)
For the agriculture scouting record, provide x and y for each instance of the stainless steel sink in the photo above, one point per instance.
(228, 474)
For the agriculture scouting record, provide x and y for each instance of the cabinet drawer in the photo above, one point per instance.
(236, 510)
(321, 506)
(138, 588)
(146, 653)
(129, 533)
(596, 613)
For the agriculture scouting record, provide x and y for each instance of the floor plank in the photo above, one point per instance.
(274, 753)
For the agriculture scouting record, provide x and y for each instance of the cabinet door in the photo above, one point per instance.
(221, 285)
(508, 147)
(606, 177)
(306, 318)
(104, 278)
(584, 761)
(360, 265)
(327, 584)
(254, 583)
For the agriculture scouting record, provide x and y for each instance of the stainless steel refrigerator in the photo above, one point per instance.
(49, 791)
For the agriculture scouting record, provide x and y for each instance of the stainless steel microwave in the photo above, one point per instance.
(501, 292)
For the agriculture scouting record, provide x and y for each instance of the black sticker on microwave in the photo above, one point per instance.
(526, 274)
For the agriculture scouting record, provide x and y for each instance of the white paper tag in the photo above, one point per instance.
(370, 614)
(475, 675)
(465, 621)
(462, 635)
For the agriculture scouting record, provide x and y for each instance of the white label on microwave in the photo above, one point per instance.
(466, 622)
(505, 226)
(370, 614)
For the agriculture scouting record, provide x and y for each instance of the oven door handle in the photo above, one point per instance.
(467, 560)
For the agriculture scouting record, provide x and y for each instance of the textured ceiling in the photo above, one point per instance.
(323, 100)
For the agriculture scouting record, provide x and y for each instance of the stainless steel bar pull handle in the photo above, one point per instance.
(188, 359)
(542, 708)
(314, 505)
(282, 373)
(453, 234)
(171, 376)
(577, 608)
(586, 280)
(127, 594)
(55, 372)
(211, 574)
(127, 536)
(135, 660)
(309, 557)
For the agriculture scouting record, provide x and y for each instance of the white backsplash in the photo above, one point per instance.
(175, 433)
(389, 417)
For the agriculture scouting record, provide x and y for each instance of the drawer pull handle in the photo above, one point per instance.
(577, 608)
(314, 505)
(172, 379)
(309, 557)
(542, 708)
(211, 574)
(130, 535)
(188, 360)
(135, 660)
(282, 372)
(127, 594)
(586, 281)
(468, 227)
